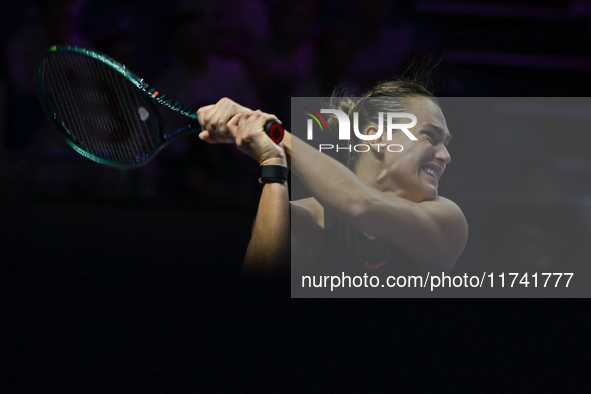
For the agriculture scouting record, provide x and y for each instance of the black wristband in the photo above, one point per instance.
(273, 174)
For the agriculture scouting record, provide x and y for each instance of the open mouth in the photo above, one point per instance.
(432, 172)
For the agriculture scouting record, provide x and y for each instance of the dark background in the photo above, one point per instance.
(100, 268)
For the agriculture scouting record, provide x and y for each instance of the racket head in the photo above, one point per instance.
(103, 110)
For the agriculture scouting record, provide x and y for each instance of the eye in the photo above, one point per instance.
(430, 135)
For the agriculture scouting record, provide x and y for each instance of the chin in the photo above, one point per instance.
(431, 191)
(421, 195)
(430, 197)
(428, 194)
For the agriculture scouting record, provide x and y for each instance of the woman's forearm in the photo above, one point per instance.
(330, 182)
(269, 247)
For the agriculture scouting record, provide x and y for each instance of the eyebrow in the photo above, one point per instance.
(447, 135)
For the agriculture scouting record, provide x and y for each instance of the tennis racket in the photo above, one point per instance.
(107, 113)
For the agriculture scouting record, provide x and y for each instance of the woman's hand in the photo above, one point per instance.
(250, 138)
(216, 121)
(228, 122)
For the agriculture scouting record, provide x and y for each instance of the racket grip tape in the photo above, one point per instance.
(274, 129)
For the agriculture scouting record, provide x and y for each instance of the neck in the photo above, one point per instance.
(371, 172)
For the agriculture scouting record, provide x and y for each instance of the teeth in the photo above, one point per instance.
(430, 172)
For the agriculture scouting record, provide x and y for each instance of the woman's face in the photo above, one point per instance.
(415, 172)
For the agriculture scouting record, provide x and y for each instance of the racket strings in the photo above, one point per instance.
(120, 121)
(75, 112)
(100, 109)
(123, 120)
(133, 98)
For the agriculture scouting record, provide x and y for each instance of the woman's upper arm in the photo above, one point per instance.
(307, 229)
(433, 233)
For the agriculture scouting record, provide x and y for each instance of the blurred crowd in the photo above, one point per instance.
(261, 53)
(258, 52)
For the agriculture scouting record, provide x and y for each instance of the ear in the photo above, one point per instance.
(375, 144)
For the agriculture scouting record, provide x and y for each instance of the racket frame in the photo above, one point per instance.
(138, 83)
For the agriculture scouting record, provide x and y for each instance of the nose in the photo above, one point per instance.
(442, 154)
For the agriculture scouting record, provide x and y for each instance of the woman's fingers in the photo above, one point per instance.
(213, 138)
(252, 139)
(227, 122)
(254, 121)
(215, 118)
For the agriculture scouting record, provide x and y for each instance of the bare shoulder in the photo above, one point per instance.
(309, 207)
(443, 204)
(450, 223)
(444, 208)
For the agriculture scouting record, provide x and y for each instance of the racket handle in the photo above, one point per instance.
(274, 129)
